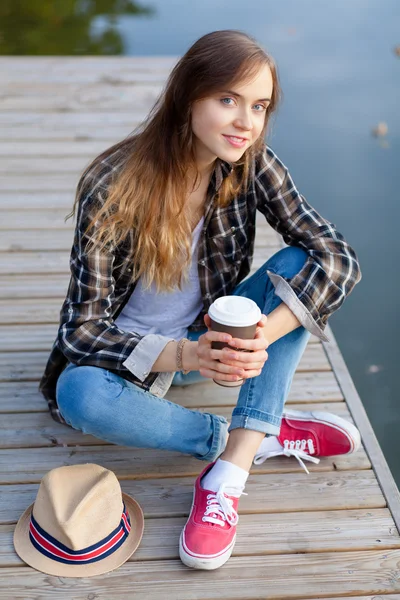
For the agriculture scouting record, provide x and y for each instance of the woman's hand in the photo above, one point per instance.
(228, 364)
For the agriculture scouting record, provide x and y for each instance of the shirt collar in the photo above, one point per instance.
(223, 168)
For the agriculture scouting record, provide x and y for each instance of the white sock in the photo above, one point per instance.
(225, 472)
(270, 444)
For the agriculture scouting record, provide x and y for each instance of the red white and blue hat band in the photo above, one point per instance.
(52, 548)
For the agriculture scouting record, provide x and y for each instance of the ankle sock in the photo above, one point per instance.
(270, 444)
(225, 472)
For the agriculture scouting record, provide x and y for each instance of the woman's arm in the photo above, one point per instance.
(332, 268)
(87, 332)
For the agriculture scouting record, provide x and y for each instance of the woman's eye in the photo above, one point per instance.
(264, 107)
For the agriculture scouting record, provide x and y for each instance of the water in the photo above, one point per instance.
(340, 77)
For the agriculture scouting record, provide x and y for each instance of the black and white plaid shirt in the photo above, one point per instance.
(99, 286)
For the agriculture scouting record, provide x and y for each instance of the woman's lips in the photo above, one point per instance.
(235, 142)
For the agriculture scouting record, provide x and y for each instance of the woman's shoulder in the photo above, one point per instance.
(268, 160)
(98, 176)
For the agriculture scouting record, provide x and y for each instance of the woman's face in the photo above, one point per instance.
(224, 114)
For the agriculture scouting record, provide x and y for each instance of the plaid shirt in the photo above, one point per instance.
(99, 286)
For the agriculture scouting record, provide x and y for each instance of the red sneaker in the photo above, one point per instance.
(307, 435)
(208, 538)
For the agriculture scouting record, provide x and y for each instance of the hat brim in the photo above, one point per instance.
(27, 551)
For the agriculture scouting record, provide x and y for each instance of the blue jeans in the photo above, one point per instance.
(105, 405)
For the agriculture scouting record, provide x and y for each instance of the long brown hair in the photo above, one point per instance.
(146, 198)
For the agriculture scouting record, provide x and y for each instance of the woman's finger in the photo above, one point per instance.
(258, 343)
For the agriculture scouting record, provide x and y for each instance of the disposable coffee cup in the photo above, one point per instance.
(237, 316)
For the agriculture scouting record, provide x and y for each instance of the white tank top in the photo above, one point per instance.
(166, 313)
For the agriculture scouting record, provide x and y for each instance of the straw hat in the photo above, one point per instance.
(80, 524)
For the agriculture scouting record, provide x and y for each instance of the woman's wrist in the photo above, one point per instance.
(190, 360)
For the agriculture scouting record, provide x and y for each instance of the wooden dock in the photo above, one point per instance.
(331, 534)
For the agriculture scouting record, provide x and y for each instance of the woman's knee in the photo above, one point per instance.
(83, 393)
(288, 261)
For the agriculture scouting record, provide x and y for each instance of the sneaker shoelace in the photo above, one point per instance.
(219, 505)
(291, 448)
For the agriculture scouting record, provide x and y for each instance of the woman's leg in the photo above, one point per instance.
(261, 399)
(99, 402)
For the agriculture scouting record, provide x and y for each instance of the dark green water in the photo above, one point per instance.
(340, 78)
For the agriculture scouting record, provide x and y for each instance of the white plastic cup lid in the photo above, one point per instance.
(235, 311)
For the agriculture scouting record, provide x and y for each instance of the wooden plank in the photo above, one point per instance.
(359, 414)
(38, 429)
(75, 97)
(58, 262)
(203, 394)
(73, 121)
(85, 69)
(84, 149)
(34, 262)
(84, 132)
(30, 365)
(242, 577)
(29, 465)
(324, 531)
(38, 164)
(34, 286)
(36, 240)
(36, 221)
(316, 492)
(37, 231)
(36, 201)
(317, 389)
(15, 338)
(37, 183)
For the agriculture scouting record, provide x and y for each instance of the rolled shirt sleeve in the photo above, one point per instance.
(144, 355)
(332, 268)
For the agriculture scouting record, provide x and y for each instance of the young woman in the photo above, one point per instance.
(165, 225)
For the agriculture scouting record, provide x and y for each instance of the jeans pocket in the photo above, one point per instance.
(115, 383)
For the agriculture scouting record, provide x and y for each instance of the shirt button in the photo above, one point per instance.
(202, 262)
(233, 228)
(70, 310)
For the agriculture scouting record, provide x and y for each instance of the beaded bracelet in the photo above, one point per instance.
(179, 351)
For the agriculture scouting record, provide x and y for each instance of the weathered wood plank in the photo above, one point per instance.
(265, 534)
(242, 577)
(29, 465)
(357, 409)
(36, 200)
(35, 240)
(34, 286)
(83, 132)
(41, 337)
(58, 262)
(36, 221)
(30, 365)
(320, 390)
(38, 164)
(170, 497)
(75, 97)
(85, 69)
(65, 184)
(37, 429)
(48, 230)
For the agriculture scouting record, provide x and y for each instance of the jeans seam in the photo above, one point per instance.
(216, 440)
